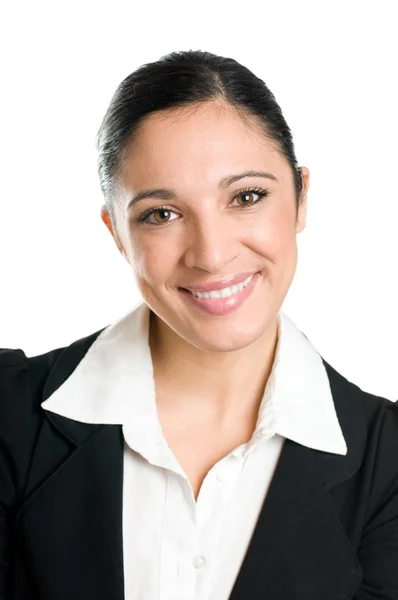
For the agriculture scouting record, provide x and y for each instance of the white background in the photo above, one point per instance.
(333, 70)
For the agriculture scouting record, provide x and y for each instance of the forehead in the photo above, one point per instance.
(200, 143)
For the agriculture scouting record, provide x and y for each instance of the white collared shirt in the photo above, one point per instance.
(176, 548)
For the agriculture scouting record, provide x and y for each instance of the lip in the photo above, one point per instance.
(228, 281)
(221, 306)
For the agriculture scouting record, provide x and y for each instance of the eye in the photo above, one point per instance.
(247, 196)
(160, 215)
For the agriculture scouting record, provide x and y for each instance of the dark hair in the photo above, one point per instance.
(183, 79)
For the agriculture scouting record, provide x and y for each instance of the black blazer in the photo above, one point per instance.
(328, 529)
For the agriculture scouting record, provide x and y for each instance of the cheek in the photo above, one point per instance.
(153, 260)
(274, 236)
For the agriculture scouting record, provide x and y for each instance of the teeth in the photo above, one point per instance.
(225, 292)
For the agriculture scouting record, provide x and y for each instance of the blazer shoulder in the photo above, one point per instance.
(20, 418)
(21, 373)
(12, 357)
(342, 388)
(23, 384)
(22, 377)
(377, 414)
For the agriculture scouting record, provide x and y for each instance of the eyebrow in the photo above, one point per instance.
(168, 194)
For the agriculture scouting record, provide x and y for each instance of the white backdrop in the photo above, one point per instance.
(332, 69)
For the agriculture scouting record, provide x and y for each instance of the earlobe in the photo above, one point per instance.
(301, 223)
(105, 216)
(302, 211)
(302, 214)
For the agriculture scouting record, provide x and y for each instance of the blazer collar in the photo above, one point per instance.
(71, 525)
(114, 384)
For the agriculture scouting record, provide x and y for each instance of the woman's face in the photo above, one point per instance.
(201, 231)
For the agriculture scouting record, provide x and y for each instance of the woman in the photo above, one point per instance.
(199, 447)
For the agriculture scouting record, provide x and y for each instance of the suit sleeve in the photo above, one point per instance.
(378, 552)
(17, 432)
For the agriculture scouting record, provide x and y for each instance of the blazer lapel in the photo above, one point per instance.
(299, 549)
(71, 524)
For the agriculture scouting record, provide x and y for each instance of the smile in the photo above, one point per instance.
(224, 301)
(224, 292)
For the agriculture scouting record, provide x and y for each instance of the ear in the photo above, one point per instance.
(106, 218)
(302, 210)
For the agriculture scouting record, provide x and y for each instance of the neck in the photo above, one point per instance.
(220, 385)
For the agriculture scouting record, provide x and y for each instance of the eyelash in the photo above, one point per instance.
(261, 192)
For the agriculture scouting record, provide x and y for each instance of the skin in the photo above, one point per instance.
(210, 370)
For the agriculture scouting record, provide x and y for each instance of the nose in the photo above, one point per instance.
(211, 244)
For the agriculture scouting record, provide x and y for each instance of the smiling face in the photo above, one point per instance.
(202, 230)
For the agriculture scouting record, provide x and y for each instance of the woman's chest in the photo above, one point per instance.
(198, 447)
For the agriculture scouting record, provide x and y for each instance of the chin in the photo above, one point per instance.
(227, 336)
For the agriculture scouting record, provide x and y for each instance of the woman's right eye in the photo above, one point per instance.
(160, 216)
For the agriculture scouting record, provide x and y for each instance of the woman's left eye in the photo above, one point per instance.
(247, 196)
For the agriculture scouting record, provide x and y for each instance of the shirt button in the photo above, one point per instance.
(199, 562)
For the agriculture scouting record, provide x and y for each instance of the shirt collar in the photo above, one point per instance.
(114, 384)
